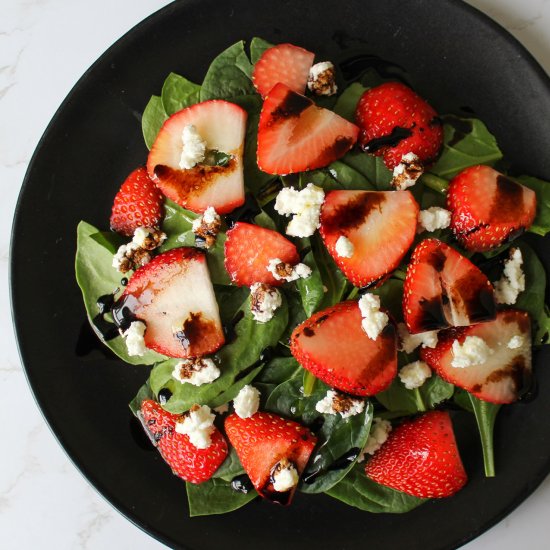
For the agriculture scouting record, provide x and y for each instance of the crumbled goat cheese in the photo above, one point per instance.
(194, 147)
(304, 205)
(247, 402)
(433, 218)
(134, 338)
(515, 342)
(287, 272)
(414, 374)
(338, 403)
(407, 171)
(409, 342)
(207, 226)
(136, 253)
(379, 432)
(198, 425)
(473, 351)
(284, 476)
(344, 247)
(196, 371)
(512, 282)
(374, 320)
(322, 79)
(264, 301)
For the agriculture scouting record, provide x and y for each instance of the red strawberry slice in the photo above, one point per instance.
(248, 250)
(137, 204)
(174, 297)
(381, 226)
(265, 442)
(488, 208)
(507, 370)
(395, 121)
(295, 135)
(187, 461)
(333, 346)
(444, 289)
(222, 125)
(284, 63)
(420, 458)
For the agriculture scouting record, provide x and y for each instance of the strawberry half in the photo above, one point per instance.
(420, 458)
(395, 121)
(187, 461)
(507, 370)
(488, 208)
(264, 442)
(222, 125)
(174, 297)
(138, 203)
(284, 63)
(444, 289)
(381, 226)
(333, 346)
(248, 250)
(295, 134)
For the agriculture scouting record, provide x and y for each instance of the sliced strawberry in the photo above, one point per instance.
(222, 125)
(174, 297)
(507, 370)
(444, 289)
(137, 204)
(333, 346)
(395, 121)
(284, 63)
(248, 250)
(187, 461)
(264, 442)
(488, 208)
(420, 458)
(296, 135)
(381, 226)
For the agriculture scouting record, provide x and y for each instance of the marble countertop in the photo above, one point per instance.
(44, 501)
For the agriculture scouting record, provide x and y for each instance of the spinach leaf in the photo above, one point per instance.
(152, 120)
(339, 175)
(278, 370)
(311, 288)
(541, 225)
(230, 468)
(370, 167)
(257, 47)
(347, 102)
(230, 394)
(143, 394)
(215, 496)
(391, 297)
(178, 93)
(486, 414)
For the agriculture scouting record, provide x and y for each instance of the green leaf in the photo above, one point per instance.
(391, 297)
(215, 496)
(143, 394)
(486, 414)
(257, 47)
(152, 120)
(347, 102)
(311, 288)
(339, 175)
(541, 225)
(178, 93)
(370, 167)
(278, 370)
(230, 468)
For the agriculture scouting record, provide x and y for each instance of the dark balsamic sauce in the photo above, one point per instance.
(164, 396)
(242, 484)
(123, 312)
(124, 281)
(245, 213)
(340, 463)
(397, 135)
(105, 303)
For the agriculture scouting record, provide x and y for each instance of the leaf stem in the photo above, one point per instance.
(486, 414)
(309, 383)
(435, 183)
(419, 401)
(353, 293)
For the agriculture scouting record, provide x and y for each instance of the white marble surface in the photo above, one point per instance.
(44, 501)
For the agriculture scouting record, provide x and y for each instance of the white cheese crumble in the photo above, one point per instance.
(247, 402)
(285, 476)
(433, 218)
(414, 374)
(515, 342)
(194, 147)
(264, 301)
(379, 432)
(134, 338)
(135, 253)
(407, 171)
(337, 403)
(344, 247)
(209, 217)
(321, 80)
(198, 425)
(196, 371)
(409, 342)
(473, 351)
(286, 272)
(374, 320)
(512, 282)
(304, 205)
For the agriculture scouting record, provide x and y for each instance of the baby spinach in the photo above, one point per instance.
(257, 47)
(311, 288)
(486, 414)
(347, 101)
(178, 93)
(152, 120)
(230, 468)
(541, 225)
(143, 394)
(278, 370)
(371, 168)
(215, 496)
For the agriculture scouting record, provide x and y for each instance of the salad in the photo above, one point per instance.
(321, 273)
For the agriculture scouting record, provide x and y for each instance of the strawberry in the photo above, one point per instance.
(381, 226)
(222, 125)
(488, 208)
(333, 346)
(284, 63)
(420, 458)
(248, 250)
(138, 203)
(265, 444)
(174, 297)
(187, 461)
(507, 369)
(443, 289)
(295, 135)
(395, 121)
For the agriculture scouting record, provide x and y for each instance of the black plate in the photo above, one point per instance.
(454, 56)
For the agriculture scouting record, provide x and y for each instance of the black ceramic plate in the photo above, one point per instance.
(454, 56)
